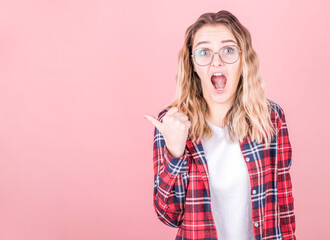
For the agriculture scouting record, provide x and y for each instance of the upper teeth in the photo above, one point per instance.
(217, 74)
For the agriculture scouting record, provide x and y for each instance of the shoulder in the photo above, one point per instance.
(276, 108)
(277, 114)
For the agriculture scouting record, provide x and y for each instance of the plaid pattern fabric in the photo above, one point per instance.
(182, 194)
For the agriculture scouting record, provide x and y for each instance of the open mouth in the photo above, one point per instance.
(219, 82)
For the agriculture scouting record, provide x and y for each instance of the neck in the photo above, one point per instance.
(217, 113)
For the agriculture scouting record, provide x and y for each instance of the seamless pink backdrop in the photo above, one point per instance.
(76, 78)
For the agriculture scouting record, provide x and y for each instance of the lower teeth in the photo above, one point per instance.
(219, 87)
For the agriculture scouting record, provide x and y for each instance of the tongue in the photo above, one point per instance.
(219, 81)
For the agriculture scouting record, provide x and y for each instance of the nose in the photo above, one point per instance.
(216, 61)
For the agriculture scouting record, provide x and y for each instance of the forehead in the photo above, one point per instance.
(213, 34)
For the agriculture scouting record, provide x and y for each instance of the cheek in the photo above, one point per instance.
(202, 75)
(235, 72)
(235, 69)
(205, 81)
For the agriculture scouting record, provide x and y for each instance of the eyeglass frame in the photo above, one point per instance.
(218, 52)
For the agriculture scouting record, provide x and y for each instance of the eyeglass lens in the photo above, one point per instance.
(228, 54)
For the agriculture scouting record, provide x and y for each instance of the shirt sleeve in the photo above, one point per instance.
(170, 182)
(284, 185)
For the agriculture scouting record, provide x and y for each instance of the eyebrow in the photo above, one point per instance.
(224, 41)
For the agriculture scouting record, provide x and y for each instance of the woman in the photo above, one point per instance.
(221, 149)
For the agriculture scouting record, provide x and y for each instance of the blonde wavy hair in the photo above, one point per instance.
(249, 114)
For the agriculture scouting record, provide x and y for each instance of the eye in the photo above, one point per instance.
(228, 50)
(203, 52)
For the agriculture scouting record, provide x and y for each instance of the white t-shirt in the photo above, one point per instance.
(229, 187)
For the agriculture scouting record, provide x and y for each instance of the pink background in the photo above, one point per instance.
(76, 78)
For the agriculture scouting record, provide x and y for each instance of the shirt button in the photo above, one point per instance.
(254, 191)
(247, 159)
(256, 224)
(184, 162)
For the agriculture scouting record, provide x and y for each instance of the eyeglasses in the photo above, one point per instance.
(228, 54)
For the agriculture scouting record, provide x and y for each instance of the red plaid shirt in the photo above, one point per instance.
(182, 193)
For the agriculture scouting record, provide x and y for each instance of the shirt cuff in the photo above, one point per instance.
(175, 165)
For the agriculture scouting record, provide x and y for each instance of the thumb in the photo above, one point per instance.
(154, 121)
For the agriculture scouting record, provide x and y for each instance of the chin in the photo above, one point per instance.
(222, 98)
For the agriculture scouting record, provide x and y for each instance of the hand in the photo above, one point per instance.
(174, 129)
